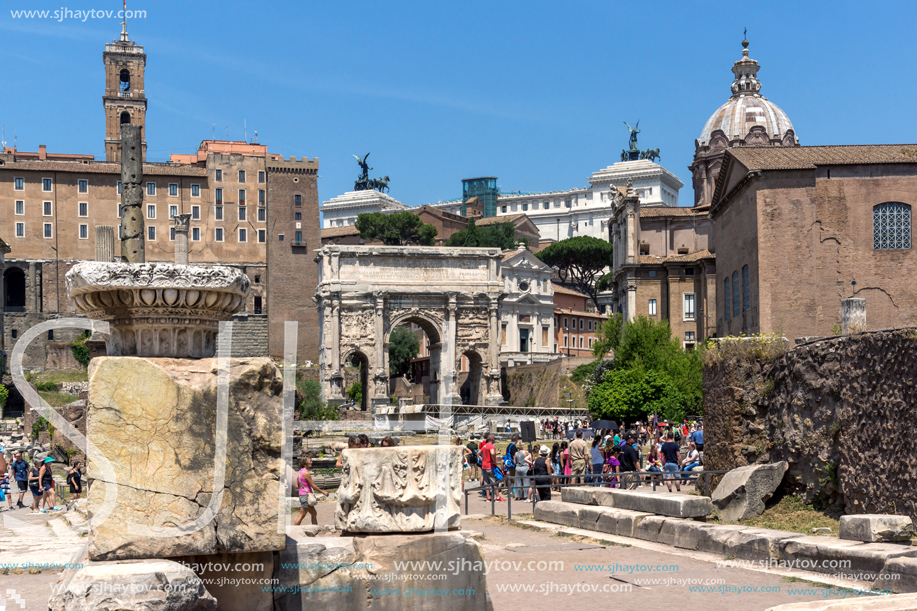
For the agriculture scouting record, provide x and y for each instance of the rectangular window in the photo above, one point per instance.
(262, 197)
(580, 341)
(262, 214)
(119, 187)
(151, 211)
(151, 188)
(544, 335)
(525, 207)
(745, 289)
(297, 200)
(20, 207)
(195, 190)
(46, 209)
(119, 210)
(195, 213)
(196, 234)
(171, 234)
(280, 237)
(689, 336)
(241, 175)
(652, 311)
(218, 196)
(297, 238)
(219, 234)
(503, 209)
(651, 273)
(20, 230)
(84, 208)
(689, 271)
(689, 306)
(82, 185)
(84, 231)
(535, 206)
(568, 204)
(503, 334)
(261, 177)
(726, 294)
(242, 215)
(736, 305)
(151, 233)
(47, 230)
(19, 183)
(581, 324)
(241, 197)
(566, 325)
(173, 189)
(565, 341)
(173, 211)
(219, 176)
(46, 184)
(218, 213)
(243, 234)
(261, 236)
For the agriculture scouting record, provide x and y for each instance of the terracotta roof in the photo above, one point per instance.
(565, 291)
(493, 220)
(688, 258)
(671, 211)
(100, 167)
(332, 232)
(808, 157)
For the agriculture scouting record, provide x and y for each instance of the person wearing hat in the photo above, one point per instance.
(46, 482)
(541, 472)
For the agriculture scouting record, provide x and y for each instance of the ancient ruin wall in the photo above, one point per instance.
(839, 410)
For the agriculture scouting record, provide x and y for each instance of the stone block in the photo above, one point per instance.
(757, 544)
(668, 531)
(335, 572)
(688, 532)
(673, 505)
(576, 494)
(588, 516)
(898, 575)
(743, 491)
(626, 521)
(151, 585)
(712, 538)
(558, 512)
(871, 528)
(647, 529)
(819, 554)
(401, 489)
(155, 421)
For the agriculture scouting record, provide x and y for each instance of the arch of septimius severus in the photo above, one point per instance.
(453, 294)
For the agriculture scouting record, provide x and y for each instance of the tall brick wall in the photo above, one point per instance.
(839, 410)
(249, 335)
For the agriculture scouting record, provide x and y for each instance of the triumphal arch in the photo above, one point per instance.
(453, 294)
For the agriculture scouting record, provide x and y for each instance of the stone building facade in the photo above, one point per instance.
(799, 229)
(527, 312)
(53, 204)
(575, 322)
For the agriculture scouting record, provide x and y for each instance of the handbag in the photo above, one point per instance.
(312, 500)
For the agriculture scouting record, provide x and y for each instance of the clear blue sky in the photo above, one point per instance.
(531, 92)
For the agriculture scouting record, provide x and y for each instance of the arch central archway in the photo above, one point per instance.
(453, 294)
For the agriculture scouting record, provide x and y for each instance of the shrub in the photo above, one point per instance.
(583, 372)
(79, 349)
(4, 395)
(46, 386)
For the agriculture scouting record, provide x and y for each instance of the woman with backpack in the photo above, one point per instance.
(307, 489)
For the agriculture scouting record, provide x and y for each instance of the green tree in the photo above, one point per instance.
(4, 395)
(635, 392)
(608, 336)
(398, 229)
(499, 235)
(579, 261)
(403, 346)
(355, 392)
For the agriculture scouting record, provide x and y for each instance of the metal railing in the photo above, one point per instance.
(627, 480)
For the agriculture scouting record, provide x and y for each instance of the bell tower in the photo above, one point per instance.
(124, 100)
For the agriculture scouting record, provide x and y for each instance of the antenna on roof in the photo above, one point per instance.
(255, 137)
(244, 130)
(3, 137)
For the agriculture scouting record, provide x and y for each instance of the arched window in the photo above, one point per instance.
(125, 118)
(125, 80)
(745, 289)
(891, 226)
(735, 294)
(14, 282)
(726, 293)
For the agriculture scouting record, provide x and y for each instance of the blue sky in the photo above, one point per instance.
(534, 93)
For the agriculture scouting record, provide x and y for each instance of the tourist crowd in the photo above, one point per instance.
(17, 477)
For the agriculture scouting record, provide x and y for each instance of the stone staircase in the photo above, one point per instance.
(680, 520)
(43, 540)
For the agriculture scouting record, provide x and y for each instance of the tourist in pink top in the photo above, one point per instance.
(566, 461)
(307, 488)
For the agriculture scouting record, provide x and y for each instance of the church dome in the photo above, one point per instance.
(748, 115)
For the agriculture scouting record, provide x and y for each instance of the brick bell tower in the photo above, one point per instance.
(124, 100)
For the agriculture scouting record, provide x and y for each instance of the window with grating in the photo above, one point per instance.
(891, 226)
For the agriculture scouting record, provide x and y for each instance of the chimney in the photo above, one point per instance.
(42, 152)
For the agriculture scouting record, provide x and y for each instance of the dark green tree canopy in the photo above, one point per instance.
(579, 261)
(499, 235)
(397, 229)
(403, 346)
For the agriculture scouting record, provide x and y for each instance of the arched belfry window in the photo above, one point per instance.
(125, 80)
(891, 226)
(125, 118)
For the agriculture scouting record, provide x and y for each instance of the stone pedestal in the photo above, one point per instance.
(156, 422)
(853, 315)
(400, 490)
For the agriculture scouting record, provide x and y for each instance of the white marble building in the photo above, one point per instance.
(527, 310)
(344, 209)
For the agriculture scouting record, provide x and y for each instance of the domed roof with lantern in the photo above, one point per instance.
(747, 116)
